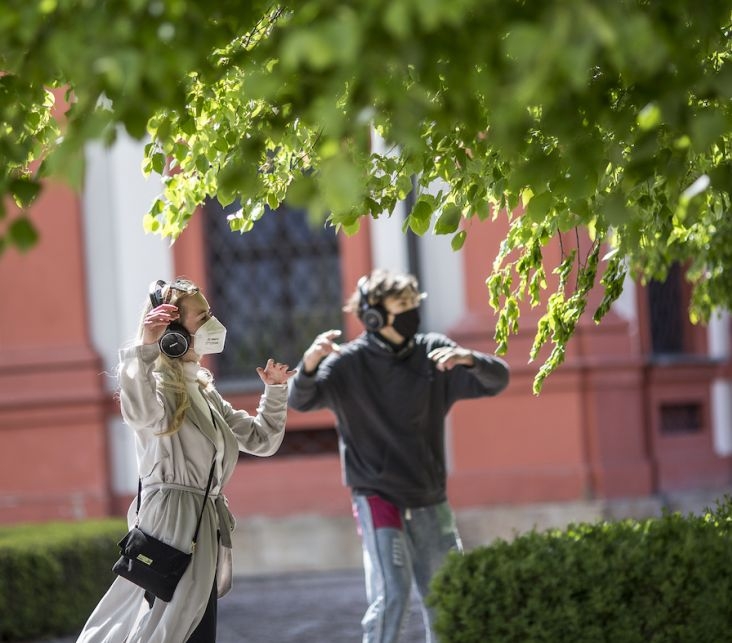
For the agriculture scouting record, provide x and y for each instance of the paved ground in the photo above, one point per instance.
(323, 607)
(312, 607)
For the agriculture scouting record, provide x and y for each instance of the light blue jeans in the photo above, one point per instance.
(407, 546)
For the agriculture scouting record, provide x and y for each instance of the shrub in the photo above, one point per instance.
(666, 579)
(52, 575)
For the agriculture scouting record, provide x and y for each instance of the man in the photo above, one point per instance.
(390, 390)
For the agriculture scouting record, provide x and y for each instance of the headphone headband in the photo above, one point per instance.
(156, 293)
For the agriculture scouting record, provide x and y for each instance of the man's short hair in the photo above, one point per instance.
(381, 284)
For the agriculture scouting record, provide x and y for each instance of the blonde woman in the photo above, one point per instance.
(183, 428)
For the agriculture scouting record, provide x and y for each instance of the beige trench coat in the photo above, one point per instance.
(174, 471)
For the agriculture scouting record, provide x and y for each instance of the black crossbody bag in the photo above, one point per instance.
(152, 564)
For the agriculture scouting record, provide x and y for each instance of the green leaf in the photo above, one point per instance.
(539, 206)
(309, 47)
(397, 20)
(523, 42)
(272, 201)
(581, 184)
(707, 127)
(158, 163)
(404, 186)
(237, 180)
(24, 191)
(300, 191)
(458, 240)
(22, 234)
(649, 117)
(423, 208)
(614, 209)
(341, 184)
(67, 163)
(418, 225)
(449, 219)
(352, 227)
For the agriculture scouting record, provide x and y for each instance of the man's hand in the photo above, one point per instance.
(274, 372)
(448, 357)
(320, 348)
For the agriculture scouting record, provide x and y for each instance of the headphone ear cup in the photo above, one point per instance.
(175, 341)
(373, 318)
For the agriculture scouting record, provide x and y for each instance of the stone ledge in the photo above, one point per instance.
(311, 542)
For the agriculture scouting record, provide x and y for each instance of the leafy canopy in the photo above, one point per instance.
(609, 119)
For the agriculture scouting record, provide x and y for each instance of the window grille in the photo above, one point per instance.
(304, 442)
(678, 419)
(666, 303)
(275, 288)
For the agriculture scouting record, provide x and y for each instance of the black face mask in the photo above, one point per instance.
(406, 323)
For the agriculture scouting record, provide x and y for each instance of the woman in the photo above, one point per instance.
(183, 427)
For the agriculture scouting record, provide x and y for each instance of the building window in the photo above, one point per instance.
(666, 314)
(304, 443)
(275, 288)
(679, 419)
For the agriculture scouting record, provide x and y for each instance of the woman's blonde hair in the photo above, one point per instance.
(170, 369)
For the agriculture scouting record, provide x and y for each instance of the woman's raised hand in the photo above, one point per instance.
(157, 320)
(274, 372)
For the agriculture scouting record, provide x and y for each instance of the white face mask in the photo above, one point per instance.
(210, 337)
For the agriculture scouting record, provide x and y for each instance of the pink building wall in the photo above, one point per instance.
(594, 432)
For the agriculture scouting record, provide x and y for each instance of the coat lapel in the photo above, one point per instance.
(231, 448)
(203, 422)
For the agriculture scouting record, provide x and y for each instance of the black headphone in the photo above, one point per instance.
(373, 316)
(176, 339)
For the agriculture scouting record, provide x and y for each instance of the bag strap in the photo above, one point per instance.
(205, 497)
(203, 506)
(208, 487)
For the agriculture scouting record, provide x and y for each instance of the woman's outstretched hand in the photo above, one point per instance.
(274, 372)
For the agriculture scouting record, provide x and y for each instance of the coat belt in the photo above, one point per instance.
(226, 519)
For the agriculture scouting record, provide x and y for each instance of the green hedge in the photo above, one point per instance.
(52, 575)
(666, 579)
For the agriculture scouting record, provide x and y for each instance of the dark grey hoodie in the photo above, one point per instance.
(390, 407)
